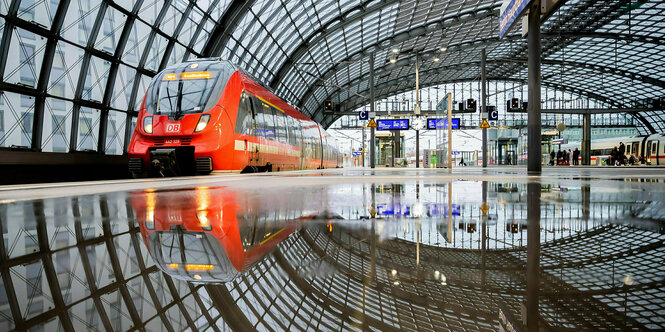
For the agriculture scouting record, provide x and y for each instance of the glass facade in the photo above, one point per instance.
(73, 73)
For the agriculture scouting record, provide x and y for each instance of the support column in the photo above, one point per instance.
(362, 148)
(417, 148)
(372, 151)
(586, 139)
(532, 254)
(483, 102)
(534, 139)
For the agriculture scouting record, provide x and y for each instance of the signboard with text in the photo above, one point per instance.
(510, 12)
(442, 123)
(393, 124)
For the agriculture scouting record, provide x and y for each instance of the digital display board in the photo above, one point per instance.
(442, 123)
(393, 124)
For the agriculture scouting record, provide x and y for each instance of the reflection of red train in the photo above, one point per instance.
(208, 116)
(206, 235)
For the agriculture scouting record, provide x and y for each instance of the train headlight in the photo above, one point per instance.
(150, 219)
(203, 122)
(203, 220)
(147, 124)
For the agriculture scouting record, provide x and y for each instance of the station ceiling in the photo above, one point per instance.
(76, 71)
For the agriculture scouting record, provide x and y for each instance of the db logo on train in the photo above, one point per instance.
(173, 128)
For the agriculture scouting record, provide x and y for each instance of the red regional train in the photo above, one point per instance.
(210, 235)
(209, 115)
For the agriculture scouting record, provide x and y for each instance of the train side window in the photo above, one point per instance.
(280, 126)
(244, 118)
(293, 132)
(269, 121)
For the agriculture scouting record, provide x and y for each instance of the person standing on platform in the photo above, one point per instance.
(622, 154)
(552, 155)
(559, 157)
(576, 156)
(570, 156)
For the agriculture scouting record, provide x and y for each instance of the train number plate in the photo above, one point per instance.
(172, 141)
(173, 128)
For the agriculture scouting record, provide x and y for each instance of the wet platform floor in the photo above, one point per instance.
(350, 249)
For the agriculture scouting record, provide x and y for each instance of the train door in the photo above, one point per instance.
(323, 150)
(635, 149)
(259, 133)
(654, 153)
(651, 151)
(300, 143)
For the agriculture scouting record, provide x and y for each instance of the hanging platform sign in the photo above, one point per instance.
(511, 10)
(443, 123)
(393, 124)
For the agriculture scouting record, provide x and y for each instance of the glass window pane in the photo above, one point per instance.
(109, 33)
(16, 111)
(95, 80)
(80, 18)
(122, 91)
(136, 43)
(88, 129)
(65, 70)
(57, 125)
(115, 132)
(38, 11)
(25, 64)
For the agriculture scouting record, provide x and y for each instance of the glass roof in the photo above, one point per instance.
(73, 73)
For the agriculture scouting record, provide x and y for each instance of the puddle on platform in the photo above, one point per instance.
(413, 255)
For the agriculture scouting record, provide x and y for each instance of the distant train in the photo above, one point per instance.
(208, 115)
(651, 148)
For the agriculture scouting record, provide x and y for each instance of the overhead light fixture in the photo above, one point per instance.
(393, 59)
(436, 59)
(395, 50)
(443, 48)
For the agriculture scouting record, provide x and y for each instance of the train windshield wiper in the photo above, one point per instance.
(178, 111)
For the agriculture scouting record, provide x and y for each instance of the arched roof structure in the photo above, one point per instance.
(73, 73)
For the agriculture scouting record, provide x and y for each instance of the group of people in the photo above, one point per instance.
(563, 157)
(618, 157)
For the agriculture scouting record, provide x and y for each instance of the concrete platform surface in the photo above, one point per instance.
(383, 249)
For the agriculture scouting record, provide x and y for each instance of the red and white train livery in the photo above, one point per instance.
(209, 115)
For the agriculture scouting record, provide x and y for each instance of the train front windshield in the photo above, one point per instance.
(186, 248)
(188, 88)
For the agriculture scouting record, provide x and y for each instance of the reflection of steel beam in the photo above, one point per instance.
(87, 267)
(49, 268)
(399, 294)
(136, 244)
(202, 306)
(8, 284)
(228, 308)
(115, 263)
(342, 311)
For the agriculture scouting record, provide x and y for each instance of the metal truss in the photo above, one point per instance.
(88, 101)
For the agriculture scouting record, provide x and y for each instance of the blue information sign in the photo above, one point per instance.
(393, 124)
(510, 12)
(357, 153)
(442, 123)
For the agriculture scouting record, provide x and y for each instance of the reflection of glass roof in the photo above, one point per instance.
(73, 73)
(80, 262)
